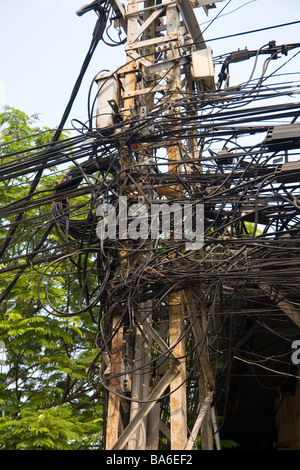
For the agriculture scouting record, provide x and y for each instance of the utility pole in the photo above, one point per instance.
(166, 60)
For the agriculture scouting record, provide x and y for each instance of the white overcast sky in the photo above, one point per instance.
(43, 44)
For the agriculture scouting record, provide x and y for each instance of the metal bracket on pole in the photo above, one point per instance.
(120, 11)
(191, 23)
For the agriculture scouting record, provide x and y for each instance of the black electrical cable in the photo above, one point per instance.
(97, 35)
(237, 183)
(243, 33)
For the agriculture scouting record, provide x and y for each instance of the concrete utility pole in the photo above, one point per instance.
(166, 57)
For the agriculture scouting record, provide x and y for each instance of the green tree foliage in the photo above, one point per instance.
(48, 399)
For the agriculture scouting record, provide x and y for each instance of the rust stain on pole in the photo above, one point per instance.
(113, 412)
(177, 386)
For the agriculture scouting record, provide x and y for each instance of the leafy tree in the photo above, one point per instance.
(48, 399)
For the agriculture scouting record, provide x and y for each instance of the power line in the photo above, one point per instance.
(252, 31)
